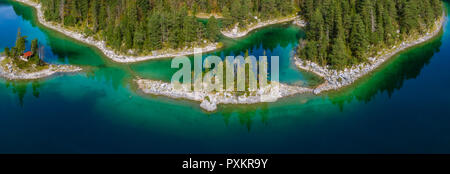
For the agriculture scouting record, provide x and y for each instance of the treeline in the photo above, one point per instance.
(139, 25)
(147, 25)
(342, 33)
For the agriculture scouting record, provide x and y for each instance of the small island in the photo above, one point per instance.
(210, 100)
(17, 63)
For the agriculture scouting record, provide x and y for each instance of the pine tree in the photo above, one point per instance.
(212, 29)
(20, 43)
(34, 46)
(339, 54)
(7, 52)
(358, 39)
(188, 29)
(13, 54)
(315, 26)
(154, 33)
(308, 8)
(139, 38)
(436, 5)
(311, 51)
(427, 10)
(378, 36)
(84, 8)
(227, 19)
(93, 18)
(339, 51)
(409, 17)
(236, 12)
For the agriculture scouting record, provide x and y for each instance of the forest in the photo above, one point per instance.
(342, 33)
(147, 25)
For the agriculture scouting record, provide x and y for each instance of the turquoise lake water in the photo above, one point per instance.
(401, 108)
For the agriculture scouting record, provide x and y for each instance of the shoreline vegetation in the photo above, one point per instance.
(11, 72)
(167, 53)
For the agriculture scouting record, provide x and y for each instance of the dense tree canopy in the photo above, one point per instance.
(346, 32)
(147, 25)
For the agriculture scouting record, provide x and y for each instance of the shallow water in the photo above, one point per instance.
(401, 108)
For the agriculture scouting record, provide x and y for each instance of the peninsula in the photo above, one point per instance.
(376, 31)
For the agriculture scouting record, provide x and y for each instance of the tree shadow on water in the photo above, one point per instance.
(246, 115)
(389, 77)
(20, 88)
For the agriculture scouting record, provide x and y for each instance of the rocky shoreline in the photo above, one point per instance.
(8, 72)
(335, 80)
(235, 33)
(109, 52)
(209, 101)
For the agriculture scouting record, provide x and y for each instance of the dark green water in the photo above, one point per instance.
(402, 108)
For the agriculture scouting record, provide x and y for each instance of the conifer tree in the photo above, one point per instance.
(7, 52)
(34, 46)
(358, 39)
(212, 29)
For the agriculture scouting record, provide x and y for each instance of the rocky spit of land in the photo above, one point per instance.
(10, 72)
(236, 32)
(338, 79)
(210, 100)
(111, 53)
